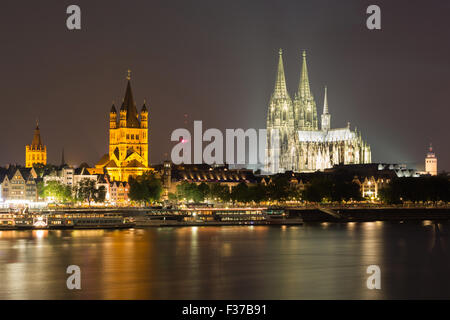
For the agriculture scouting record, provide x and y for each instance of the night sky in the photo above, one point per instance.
(216, 61)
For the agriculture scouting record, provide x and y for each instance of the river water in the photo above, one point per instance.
(313, 261)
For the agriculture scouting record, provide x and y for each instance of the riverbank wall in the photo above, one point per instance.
(369, 214)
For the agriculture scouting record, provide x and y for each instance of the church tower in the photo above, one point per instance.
(295, 141)
(280, 155)
(130, 134)
(326, 117)
(431, 162)
(128, 139)
(304, 104)
(143, 148)
(36, 152)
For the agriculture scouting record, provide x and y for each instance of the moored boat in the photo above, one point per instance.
(63, 220)
(279, 216)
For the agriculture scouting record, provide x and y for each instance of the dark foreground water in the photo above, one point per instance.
(314, 261)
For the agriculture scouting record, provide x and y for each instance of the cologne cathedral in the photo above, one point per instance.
(294, 140)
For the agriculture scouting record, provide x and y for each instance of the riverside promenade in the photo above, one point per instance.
(309, 212)
(370, 212)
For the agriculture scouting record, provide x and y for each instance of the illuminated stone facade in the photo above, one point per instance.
(18, 184)
(119, 193)
(128, 140)
(431, 162)
(294, 140)
(36, 152)
(173, 175)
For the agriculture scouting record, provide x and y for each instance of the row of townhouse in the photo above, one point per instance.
(18, 184)
(116, 192)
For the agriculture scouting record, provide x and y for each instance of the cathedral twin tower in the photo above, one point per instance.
(294, 140)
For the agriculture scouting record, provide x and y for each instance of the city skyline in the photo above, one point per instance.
(68, 79)
(228, 158)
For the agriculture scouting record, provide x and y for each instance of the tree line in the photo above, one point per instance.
(84, 191)
(147, 189)
(279, 190)
(421, 189)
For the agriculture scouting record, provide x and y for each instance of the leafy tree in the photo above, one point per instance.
(240, 193)
(193, 191)
(220, 192)
(421, 189)
(317, 190)
(172, 196)
(203, 190)
(184, 190)
(87, 191)
(389, 195)
(337, 187)
(39, 168)
(345, 191)
(279, 189)
(146, 188)
(100, 195)
(258, 193)
(55, 190)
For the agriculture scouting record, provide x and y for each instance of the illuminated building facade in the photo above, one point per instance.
(294, 140)
(119, 193)
(173, 175)
(36, 152)
(18, 184)
(431, 162)
(128, 140)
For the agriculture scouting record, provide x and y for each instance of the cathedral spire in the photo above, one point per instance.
(304, 89)
(326, 117)
(280, 83)
(325, 102)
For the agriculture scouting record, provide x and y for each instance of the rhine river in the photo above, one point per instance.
(313, 261)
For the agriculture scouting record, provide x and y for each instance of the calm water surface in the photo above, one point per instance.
(314, 261)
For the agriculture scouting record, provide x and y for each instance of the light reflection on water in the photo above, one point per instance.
(314, 261)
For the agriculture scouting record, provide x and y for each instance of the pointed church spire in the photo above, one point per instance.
(144, 107)
(325, 102)
(280, 83)
(113, 108)
(326, 117)
(129, 106)
(304, 89)
(37, 142)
